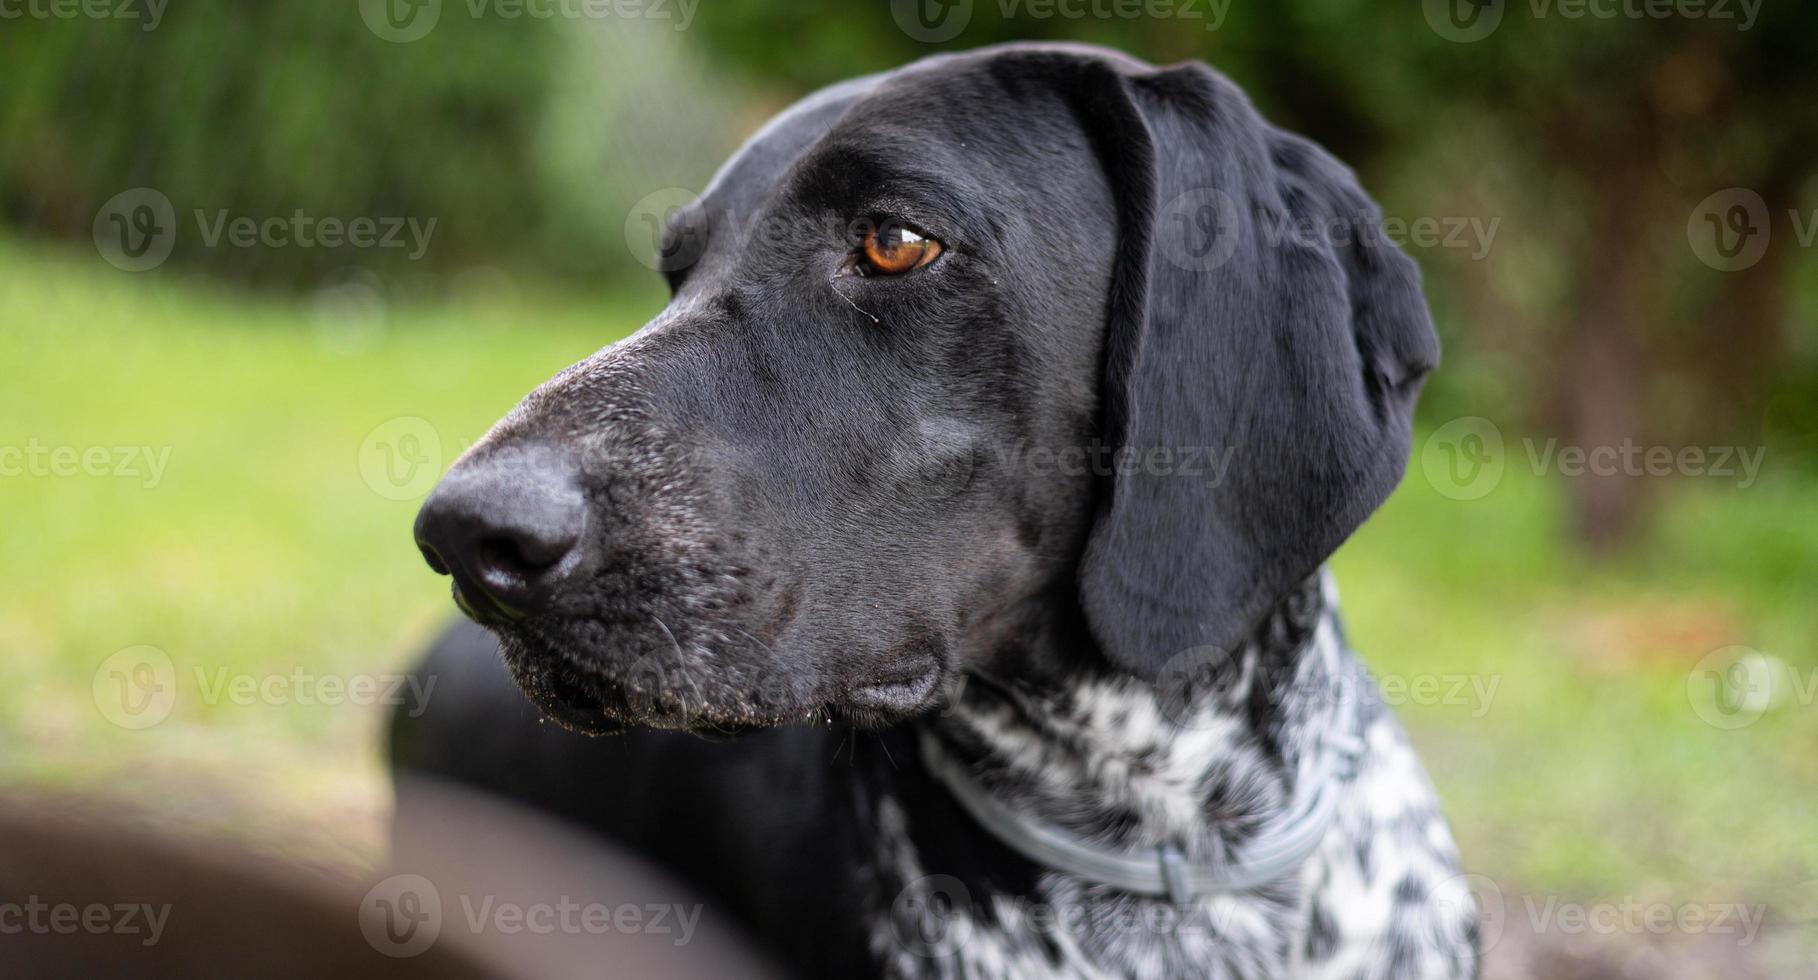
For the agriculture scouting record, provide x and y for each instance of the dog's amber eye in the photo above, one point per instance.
(894, 250)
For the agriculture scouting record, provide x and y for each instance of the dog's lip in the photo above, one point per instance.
(576, 699)
(905, 692)
(575, 706)
(479, 605)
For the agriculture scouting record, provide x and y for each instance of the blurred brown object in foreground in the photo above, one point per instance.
(482, 890)
(86, 894)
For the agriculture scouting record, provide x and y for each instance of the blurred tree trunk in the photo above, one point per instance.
(1625, 328)
(1598, 392)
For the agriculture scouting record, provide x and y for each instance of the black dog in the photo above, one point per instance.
(986, 457)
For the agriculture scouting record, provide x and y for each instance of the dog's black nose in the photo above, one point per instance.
(508, 527)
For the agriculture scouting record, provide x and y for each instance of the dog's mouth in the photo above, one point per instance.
(599, 700)
(885, 700)
(596, 701)
(599, 706)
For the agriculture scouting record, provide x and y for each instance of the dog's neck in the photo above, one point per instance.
(1204, 756)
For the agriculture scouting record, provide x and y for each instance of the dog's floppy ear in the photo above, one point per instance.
(1259, 324)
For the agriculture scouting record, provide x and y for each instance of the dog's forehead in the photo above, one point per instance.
(912, 106)
(758, 165)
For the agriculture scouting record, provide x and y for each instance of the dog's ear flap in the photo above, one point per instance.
(1259, 324)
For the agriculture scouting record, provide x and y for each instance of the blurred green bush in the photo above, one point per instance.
(264, 109)
(513, 134)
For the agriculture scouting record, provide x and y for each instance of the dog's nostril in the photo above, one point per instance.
(526, 553)
(436, 564)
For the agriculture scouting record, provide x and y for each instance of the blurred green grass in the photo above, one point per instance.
(263, 549)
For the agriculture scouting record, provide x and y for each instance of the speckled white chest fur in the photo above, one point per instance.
(1113, 761)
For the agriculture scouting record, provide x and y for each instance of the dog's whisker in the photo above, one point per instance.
(836, 291)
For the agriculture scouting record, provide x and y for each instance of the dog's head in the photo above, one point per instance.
(1028, 349)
